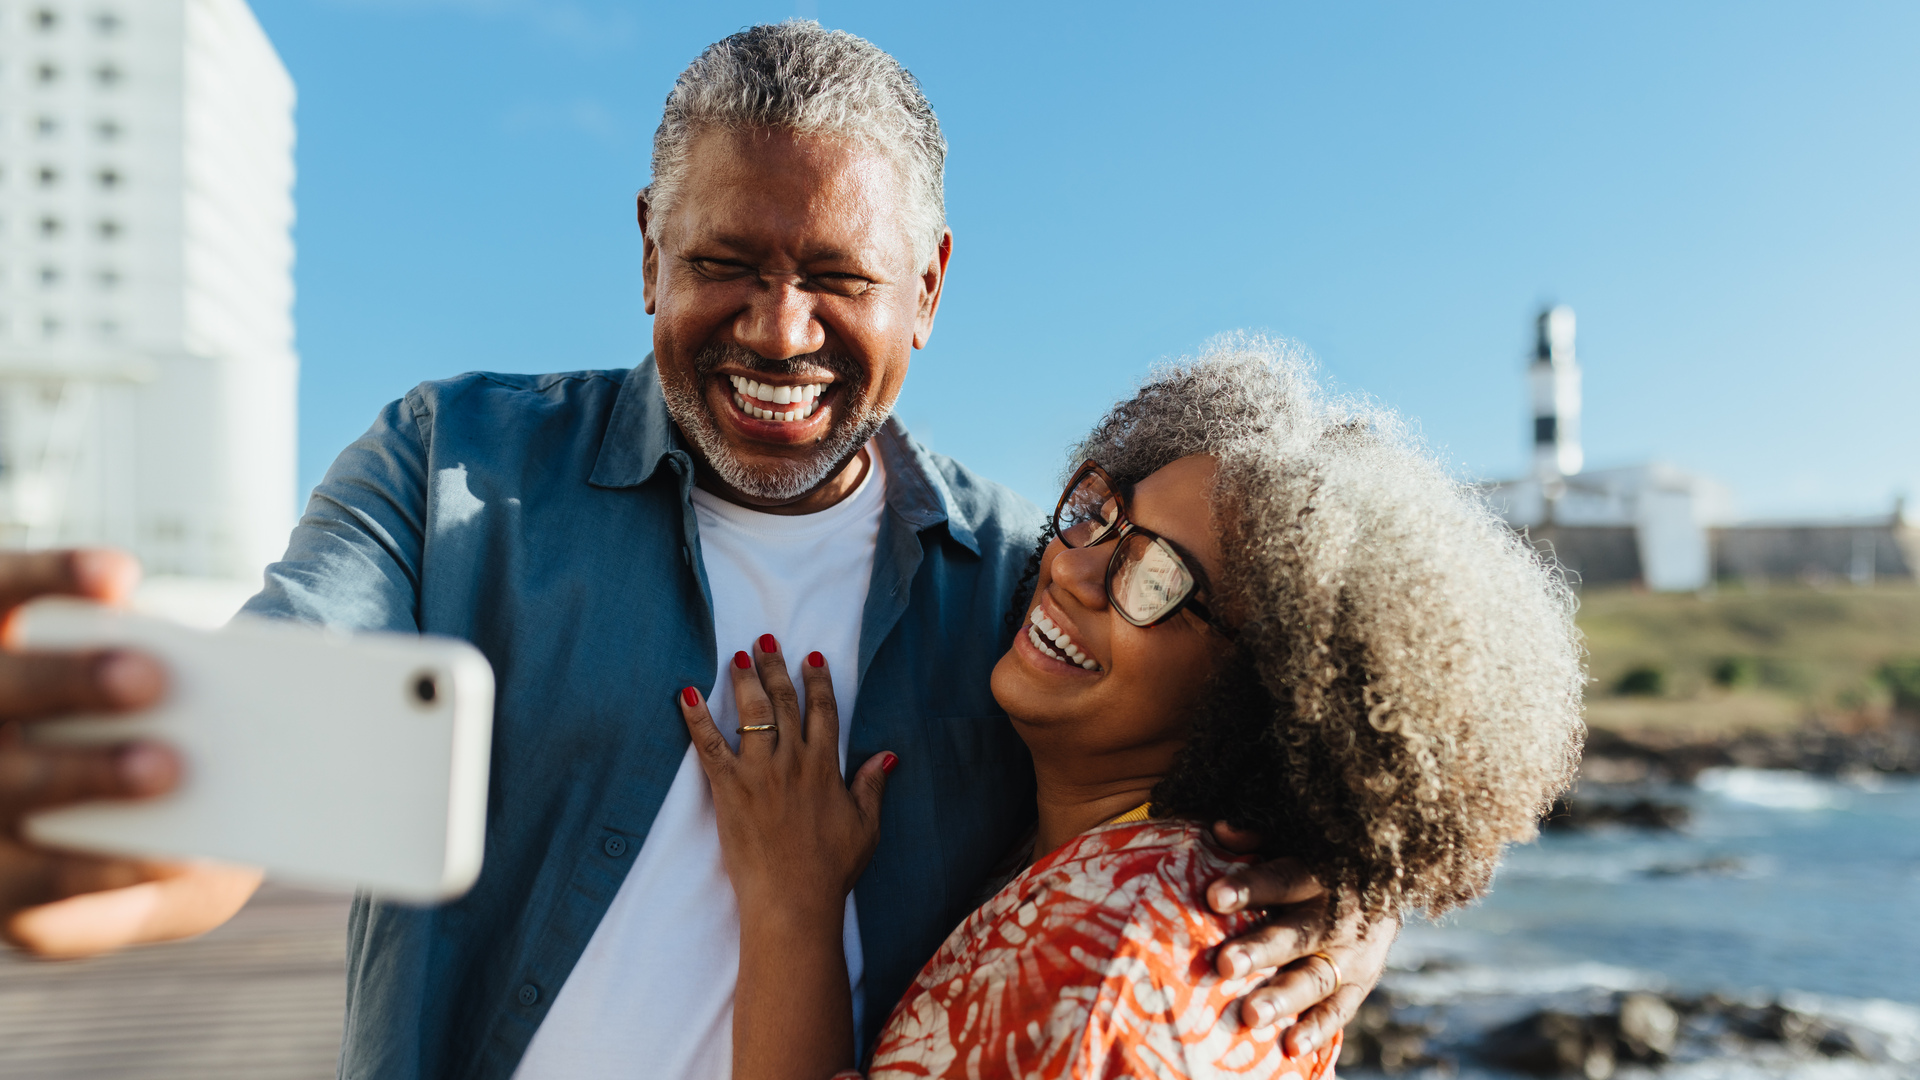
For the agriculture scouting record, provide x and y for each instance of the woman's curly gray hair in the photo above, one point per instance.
(1404, 695)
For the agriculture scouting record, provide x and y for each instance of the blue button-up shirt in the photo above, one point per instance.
(547, 519)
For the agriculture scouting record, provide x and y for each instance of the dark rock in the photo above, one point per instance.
(1719, 864)
(1554, 1043)
(1648, 1026)
(1636, 814)
(1377, 1039)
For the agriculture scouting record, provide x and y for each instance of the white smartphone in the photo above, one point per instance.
(325, 758)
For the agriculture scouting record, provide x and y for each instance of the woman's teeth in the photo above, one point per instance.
(750, 396)
(1054, 641)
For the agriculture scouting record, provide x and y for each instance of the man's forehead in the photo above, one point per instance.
(810, 197)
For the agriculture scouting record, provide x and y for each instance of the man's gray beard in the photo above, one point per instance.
(860, 418)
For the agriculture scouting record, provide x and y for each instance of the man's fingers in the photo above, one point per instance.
(1316, 1026)
(1299, 987)
(1324, 991)
(1287, 935)
(823, 713)
(716, 757)
(179, 900)
(34, 685)
(1267, 884)
(32, 777)
(95, 573)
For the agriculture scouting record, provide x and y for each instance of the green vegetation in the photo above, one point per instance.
(1738, 658)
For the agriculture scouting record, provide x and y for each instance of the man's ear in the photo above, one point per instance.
(932, 280)
(649, 251)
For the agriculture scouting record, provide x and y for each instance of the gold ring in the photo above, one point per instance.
(1337, 980)
(776, 727)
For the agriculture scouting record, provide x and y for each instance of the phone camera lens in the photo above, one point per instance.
(426, 689)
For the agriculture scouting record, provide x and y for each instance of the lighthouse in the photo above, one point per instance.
(1554, 380)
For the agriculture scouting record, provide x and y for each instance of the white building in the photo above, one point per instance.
(147, 370)
(1651, 523)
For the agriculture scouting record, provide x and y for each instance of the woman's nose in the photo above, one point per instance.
(1082, 573)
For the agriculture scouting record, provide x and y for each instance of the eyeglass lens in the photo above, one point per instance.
(1089, 511)
(1150, 579)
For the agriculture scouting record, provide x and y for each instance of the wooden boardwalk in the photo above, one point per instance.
(259, 998)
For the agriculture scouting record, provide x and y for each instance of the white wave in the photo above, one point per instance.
(1778, 789)
(1780, 1068)
(1897, 1022)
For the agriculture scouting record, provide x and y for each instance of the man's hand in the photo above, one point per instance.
(1324, 973)
(64, 904)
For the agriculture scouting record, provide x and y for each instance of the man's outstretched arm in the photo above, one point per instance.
(1324, 973)
(58, 903)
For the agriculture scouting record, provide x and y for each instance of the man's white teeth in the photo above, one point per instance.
(1054, 641)
(750, 395)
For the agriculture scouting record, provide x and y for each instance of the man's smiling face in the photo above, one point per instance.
(786, 306)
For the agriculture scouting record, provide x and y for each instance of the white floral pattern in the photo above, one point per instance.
(1095, 964)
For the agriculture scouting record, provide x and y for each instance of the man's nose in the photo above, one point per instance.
(780, 323)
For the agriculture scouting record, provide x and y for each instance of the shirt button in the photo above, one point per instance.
(615, 846)
(529, 994)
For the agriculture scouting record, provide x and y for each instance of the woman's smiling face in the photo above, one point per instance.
(1138, 691)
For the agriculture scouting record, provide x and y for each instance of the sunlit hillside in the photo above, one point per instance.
(1751, 658)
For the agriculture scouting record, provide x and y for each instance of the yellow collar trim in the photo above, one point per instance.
(1138, 813)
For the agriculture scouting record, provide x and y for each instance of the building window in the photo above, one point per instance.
(49, 326)
(46, 19)
(49, 227)
(107, 75)
(108, 328)
(108, 277)
(107, 23)
(47, 126)
(109, 178)
(109, 229)
(49, 276)
(107, 129)
(47, 73)
(49, 176)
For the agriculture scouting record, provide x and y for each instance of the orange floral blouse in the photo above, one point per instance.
(1094, 964)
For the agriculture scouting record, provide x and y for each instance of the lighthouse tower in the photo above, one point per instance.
(1554, 379)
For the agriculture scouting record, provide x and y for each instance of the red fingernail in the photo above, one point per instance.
(768, 645)
(814, 659)
(690, 696)
(886, 763)
(742, 661)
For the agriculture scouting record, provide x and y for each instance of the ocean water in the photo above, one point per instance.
(1783, 886)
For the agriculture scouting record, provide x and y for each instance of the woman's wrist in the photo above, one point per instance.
(792, 913)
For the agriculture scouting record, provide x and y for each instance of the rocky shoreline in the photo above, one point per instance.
(1444, 1013)
(1594, 1038)
(1625, 757)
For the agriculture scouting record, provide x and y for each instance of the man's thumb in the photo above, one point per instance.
(870, 783)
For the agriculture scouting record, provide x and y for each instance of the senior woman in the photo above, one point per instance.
(1261, 606)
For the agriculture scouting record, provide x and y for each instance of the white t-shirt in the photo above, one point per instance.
(653, 993)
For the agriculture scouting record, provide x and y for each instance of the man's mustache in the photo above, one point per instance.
(844, 368)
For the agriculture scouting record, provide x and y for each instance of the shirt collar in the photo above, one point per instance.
(641, 434)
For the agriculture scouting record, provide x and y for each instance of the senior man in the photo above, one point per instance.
(607, 538)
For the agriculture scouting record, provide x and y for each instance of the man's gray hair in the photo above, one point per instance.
(801, 77)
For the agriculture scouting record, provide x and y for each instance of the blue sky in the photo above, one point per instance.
(1725, 193)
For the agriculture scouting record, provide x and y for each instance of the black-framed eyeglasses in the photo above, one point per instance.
(1149, 579)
